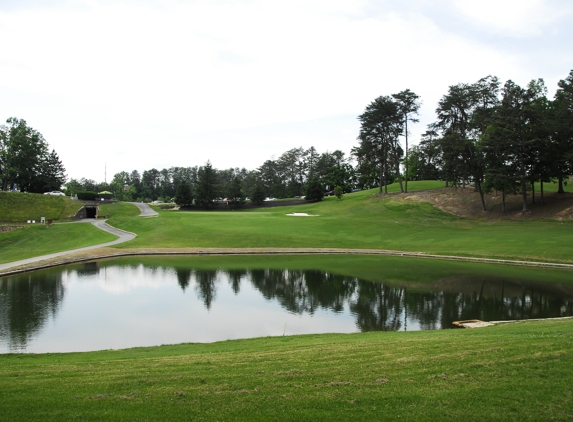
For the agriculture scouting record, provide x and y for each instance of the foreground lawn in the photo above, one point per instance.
(513, 372)
(35, 240)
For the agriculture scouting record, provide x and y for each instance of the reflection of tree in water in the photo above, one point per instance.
(505, 300)
(300, 291)
(183, 277)
(26, 301)
(235, 277)
(206, 289)
(377, 307)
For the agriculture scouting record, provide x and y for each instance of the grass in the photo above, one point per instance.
(360, 220)
(511, 372)
(119, 209)
(17, 207)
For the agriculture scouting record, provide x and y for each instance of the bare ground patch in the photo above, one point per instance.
(465, 202)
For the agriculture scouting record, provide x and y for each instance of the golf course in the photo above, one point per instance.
(515, 371)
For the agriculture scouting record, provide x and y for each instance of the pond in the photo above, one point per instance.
(130, 302)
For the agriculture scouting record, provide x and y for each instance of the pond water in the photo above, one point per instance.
(132, 302)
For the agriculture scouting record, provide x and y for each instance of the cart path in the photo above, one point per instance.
(146, 210)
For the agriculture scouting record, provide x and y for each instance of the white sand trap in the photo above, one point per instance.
(301, 214)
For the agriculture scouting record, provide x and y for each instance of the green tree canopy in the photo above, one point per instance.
(184, 194)
(206, 188)
(25, 160)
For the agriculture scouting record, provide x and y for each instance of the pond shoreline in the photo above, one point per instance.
(105, 253)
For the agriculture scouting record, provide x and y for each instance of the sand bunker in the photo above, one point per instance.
(301, 214)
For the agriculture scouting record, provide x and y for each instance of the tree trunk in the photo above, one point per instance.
(561, 190)
(398, 175)
(406, 175)
(385, 178)
(503, 202)
(480, 190)
(524, 195)
(541, 191)
(532, 193)
(381, 178)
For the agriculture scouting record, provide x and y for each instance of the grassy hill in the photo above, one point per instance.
(17, 207)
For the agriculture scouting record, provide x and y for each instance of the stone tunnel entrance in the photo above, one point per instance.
(91, 212)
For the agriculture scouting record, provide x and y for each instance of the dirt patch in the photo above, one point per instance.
(466, 202)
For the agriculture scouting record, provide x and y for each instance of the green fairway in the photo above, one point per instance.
(510, 372)
(36, 240)
(360, 220)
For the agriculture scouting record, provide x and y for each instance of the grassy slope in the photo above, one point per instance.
(512, 372)
(360, 220)
(16, 207)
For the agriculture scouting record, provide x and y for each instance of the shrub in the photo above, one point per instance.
(87, 196)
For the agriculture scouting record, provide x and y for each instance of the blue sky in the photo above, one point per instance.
(140, 84)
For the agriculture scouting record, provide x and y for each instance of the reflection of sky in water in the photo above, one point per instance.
(129, 307)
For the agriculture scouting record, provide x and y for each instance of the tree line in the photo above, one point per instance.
(26, 162)
(504, 138)
(295, 173)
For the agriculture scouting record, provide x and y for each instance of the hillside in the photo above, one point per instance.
(466, 203)
(17, 207)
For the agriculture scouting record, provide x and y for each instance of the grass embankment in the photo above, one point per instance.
(511, 372)
(17, 207)
(360, 220)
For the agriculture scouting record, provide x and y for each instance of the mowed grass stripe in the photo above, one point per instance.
(517, 371)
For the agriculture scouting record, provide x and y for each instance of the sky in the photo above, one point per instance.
(122, 85)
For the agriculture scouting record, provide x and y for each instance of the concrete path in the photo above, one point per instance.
(146, 210)
(123, 236)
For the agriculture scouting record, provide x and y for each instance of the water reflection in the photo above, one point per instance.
(26, 302)
(112, 304)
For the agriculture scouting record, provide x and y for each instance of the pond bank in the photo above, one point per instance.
(101, 253)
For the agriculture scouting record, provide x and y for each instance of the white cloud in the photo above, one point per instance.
(523, 18)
